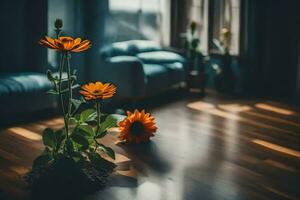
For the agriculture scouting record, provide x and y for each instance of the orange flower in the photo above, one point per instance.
(137, 127)
(65, 44)
(98, 90)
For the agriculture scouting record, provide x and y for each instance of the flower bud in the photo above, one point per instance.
(193, 26)
(58, 23)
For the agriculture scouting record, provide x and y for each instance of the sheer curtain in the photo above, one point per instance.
(199, 14)
(227, 14)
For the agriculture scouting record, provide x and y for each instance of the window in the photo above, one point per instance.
(199, 14)
(139, 19)
(226, 14)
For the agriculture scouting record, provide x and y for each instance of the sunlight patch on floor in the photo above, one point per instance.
(275, 109)
(211, 109)
(277, 119)
(214, 110)
(25, 133)
(53, 122)
(277, 147)
(234, 107)
(20, 169)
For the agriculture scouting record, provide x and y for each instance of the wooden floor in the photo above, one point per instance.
(205, 149)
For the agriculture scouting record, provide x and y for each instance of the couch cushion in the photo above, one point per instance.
(140, 46)
(115, 49)
(176, 73)
(23, 82)
(129, 48)
(24, 93)
(160, 57)
(156, 78)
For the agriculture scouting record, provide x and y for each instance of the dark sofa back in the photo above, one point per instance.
(129, 48)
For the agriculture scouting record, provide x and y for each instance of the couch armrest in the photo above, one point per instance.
(127, 73)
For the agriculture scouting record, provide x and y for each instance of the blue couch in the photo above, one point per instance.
(140, 68)
(22, 93)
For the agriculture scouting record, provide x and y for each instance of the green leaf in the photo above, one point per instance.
(110, 121)
(64, 80)
(72, 88)
(88, 130)
(73, 121)
(82, 99)
(80, 139)
(59, 137)
(69, 146)
(46, 151)
(78, 158)
(49, 138)
(73, 77)
(77, 117)
(96, 159)
(52, 91)
(75, 86)
(76, 103)
(101, 134)
(59, 156)
(109, 151)
(88, 115)
(99, 162)
(42, 160)
(74, 71)
(50, 76)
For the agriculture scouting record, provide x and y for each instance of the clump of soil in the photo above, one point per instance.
(64, 179)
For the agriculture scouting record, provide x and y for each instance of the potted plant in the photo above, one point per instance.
(224, 79)
(197, 76)
(72, 163)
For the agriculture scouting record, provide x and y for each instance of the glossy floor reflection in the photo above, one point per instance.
(206, 149)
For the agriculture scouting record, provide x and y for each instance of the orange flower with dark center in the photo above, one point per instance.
(98, 90)
(65, 44)
(137, 127)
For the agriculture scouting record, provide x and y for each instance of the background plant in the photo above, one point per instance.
(78, 139)
(223, 43)
(191, 40)
(191, 45)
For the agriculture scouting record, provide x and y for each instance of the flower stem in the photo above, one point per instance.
(98, 117)
(70, 93)
(98, 123)
(61, 69)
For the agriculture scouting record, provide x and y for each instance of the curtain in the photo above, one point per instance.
(179, 20)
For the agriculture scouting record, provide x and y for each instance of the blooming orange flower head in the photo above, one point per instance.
(137, 127)
(65, 44)
(98, 90)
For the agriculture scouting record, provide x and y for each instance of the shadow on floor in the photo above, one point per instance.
(147, 156)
